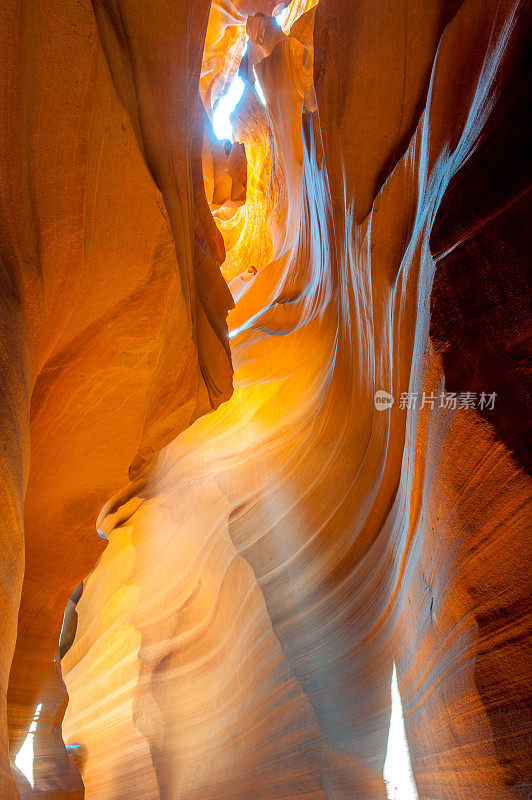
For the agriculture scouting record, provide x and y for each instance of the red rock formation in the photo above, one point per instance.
(114, 315)
(269, 567)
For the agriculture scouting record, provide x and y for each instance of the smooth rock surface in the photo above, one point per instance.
(268, 563)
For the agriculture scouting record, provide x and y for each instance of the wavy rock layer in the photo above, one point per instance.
(238, 635)
(113, 306)
(270, 565)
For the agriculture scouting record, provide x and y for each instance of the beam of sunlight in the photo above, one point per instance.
(225, 107)
(258, 88)
(282, 16)
(397, 767)
(227, 104)
(24, 758)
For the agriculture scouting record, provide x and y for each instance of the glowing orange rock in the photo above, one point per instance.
(114, 305)
(350, 517)
(269, 568)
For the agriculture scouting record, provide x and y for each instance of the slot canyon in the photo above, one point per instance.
(265, 400)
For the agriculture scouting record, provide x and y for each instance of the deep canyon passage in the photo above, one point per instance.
(265, 400)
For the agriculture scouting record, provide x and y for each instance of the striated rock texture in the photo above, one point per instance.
(271, 564)
(113, 306)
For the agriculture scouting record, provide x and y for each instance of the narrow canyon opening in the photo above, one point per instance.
(24, 757)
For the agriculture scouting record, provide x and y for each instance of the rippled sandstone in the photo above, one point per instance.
(113, 317)
(266, 570)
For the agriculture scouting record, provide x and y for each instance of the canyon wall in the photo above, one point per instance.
(268, 563)
(114, 335)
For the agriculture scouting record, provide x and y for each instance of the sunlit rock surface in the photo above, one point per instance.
(113, 307)
(269, 567)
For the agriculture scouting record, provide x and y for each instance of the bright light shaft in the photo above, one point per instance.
(397, 767)
(225, 107)
(281, 17)
(258, 89)
(24, 759)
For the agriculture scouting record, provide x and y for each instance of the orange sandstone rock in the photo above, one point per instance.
(114, 309)
(267, 569)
